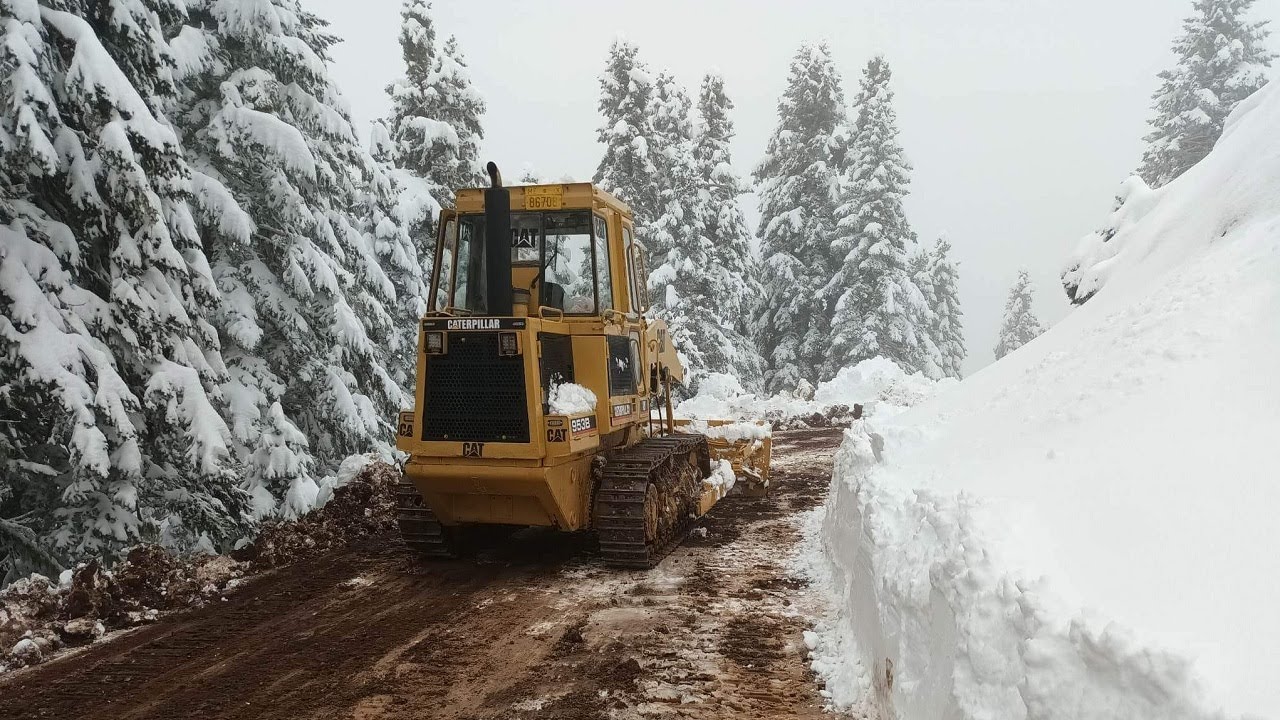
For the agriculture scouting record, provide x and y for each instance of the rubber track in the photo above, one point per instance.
(419, 528)
(620, 500)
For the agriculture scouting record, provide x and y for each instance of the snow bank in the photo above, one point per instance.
(879, 385)
(571, 399)
(1086, 528)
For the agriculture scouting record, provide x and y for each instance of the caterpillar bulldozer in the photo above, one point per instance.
(536, 289)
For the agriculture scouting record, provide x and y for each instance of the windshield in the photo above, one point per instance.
(559, 244)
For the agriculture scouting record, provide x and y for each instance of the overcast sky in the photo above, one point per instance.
(1021, 117)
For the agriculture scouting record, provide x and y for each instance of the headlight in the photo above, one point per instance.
(508, 344)
(435, 343)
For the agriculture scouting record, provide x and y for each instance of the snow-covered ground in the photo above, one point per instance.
(1087, 528)
(878, 384)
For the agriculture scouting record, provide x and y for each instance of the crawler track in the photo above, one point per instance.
(648, 498)
(421, 531)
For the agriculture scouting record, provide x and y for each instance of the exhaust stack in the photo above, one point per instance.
(497, 244)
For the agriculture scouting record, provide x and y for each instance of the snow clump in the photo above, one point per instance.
(571, 399)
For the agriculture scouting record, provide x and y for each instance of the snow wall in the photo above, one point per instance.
(1086, 528)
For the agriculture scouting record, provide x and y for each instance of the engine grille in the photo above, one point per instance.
(473, 395)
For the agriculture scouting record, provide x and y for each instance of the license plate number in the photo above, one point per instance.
(544, 198)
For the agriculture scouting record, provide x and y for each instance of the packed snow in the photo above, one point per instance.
(571, 399)
(879, 385)
(722, 477)
(1086, 528)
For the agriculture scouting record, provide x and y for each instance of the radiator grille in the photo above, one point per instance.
(473, 395)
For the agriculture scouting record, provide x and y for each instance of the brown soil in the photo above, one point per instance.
(530, 626)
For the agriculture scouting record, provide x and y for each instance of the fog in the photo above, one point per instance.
(1021, 117)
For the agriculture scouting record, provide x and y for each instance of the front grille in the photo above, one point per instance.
(473, 395)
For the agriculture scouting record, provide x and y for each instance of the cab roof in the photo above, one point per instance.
(548, 196)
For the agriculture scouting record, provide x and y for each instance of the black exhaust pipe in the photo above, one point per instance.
(497, 244)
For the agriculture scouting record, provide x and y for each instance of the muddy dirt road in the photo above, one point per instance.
(533, 626)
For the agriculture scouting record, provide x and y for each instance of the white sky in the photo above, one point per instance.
(1021, 117)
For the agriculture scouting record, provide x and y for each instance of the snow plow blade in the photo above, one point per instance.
(747, 445)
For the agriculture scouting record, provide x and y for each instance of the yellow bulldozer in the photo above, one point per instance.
(544, 391)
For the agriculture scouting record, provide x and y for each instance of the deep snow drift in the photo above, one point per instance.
(878, 384)
(1087, 528)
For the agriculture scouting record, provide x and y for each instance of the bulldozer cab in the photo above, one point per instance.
(573, 253)
(538, 293)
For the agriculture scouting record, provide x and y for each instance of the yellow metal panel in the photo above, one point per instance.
(559, 493)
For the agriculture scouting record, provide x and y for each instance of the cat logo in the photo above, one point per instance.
(472, 449)
(556, 436)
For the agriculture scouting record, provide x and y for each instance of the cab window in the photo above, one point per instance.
(602, 263)
(629, 247)
(469, 289)
(448, 249)
(567, 259)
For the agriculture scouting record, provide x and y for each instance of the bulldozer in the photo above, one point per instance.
(537, 290)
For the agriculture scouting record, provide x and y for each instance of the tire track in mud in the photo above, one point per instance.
(532, 627)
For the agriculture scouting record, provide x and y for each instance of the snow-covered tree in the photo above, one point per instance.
(1221, 60)
(1085, 271)
(946, 329)
(734, 288)
(1020, 325)
(114, 420)
(797, 182)
(385, 219)
(878, 308)
(435, 111)
(686, 274)
(304, 318)
(628, 168)
(678, 250)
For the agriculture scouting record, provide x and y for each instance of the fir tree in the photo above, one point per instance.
(946, 329)
(628, 167)
(680, 250)
(1222, 59)
(435, 112)
(115, 427)
(878, 308)
(1020, 325)
(734, 288)
(304, 316)
(796, 183)
(386, 221)
(673, 235)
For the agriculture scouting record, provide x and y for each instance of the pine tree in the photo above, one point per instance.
(878, 308)
(688, 277)
(673, 236)
(946, 329)
(628, 168)
(435, 112)
(734, 288)
(796, 183)
(386, 220)
(304, 317)
(115, 427)
(1020, 324)
(1222, 59)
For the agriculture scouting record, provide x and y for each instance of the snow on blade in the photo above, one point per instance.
(571, 399)
(1085, 529)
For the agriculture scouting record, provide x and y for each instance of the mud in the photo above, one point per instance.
(530, 626)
